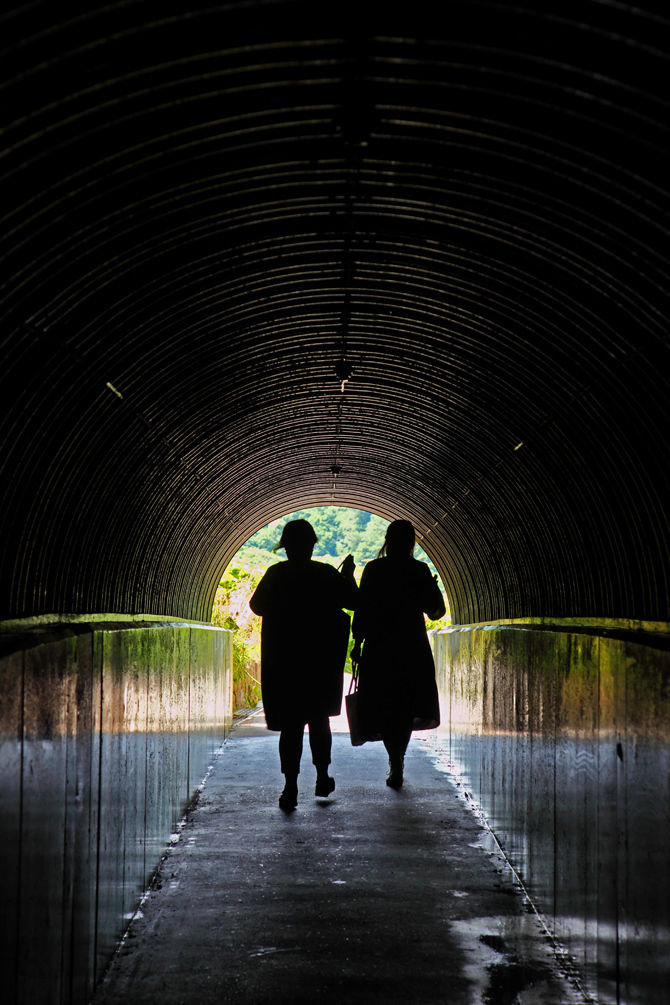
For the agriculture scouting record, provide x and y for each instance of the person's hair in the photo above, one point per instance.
(298, 533)
(400, 540)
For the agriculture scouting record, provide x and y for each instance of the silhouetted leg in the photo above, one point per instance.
(396, 739)
(290, 753)
(290, 749)
(320, 742)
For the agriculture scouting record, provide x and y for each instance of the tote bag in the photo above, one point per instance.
(359, 731)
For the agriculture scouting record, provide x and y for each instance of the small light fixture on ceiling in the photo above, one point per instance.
(519, 446)
(336, 468)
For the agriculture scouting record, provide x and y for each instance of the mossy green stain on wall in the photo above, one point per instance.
(564, 740)
(106, 729)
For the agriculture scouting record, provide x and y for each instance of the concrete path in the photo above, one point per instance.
(370, 895)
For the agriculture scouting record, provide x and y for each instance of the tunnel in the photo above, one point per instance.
(269, 254)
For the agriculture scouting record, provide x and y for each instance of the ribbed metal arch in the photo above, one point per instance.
(207, 209)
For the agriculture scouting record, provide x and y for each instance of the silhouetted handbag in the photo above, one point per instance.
(359, 731)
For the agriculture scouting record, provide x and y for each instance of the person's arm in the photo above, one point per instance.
(260, 598)
(433, 602)
(350, 591)
(358, 625)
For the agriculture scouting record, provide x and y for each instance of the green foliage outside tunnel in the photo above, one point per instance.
(340, 531)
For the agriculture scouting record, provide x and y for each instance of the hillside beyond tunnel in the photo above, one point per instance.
(264, 255)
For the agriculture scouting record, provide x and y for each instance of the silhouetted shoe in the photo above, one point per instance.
(324, 786)
(288, 800)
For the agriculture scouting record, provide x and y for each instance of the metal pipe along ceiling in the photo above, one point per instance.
(264, 255)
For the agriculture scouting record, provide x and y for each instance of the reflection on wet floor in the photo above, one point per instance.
(507, 960)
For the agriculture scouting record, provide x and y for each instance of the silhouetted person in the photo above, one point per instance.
(397, 689)
(304, 640)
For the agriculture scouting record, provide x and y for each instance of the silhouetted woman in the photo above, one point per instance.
(396, 669)
(304, 641)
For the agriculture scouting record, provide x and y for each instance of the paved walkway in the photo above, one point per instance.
(369, 896)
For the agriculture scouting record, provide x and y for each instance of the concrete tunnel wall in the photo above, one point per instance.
(106, 730)
(561, 736)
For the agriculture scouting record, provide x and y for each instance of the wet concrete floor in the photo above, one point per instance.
(370, 895)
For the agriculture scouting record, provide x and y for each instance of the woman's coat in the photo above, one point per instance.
(397, 670)
(304, 639)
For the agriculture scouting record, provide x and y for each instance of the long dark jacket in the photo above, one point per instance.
(304, 639)
(397, 670)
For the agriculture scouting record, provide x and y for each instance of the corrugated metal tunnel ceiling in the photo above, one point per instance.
(264, 255)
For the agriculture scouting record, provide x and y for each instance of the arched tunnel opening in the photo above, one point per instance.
(271, 254)
(340, 531)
